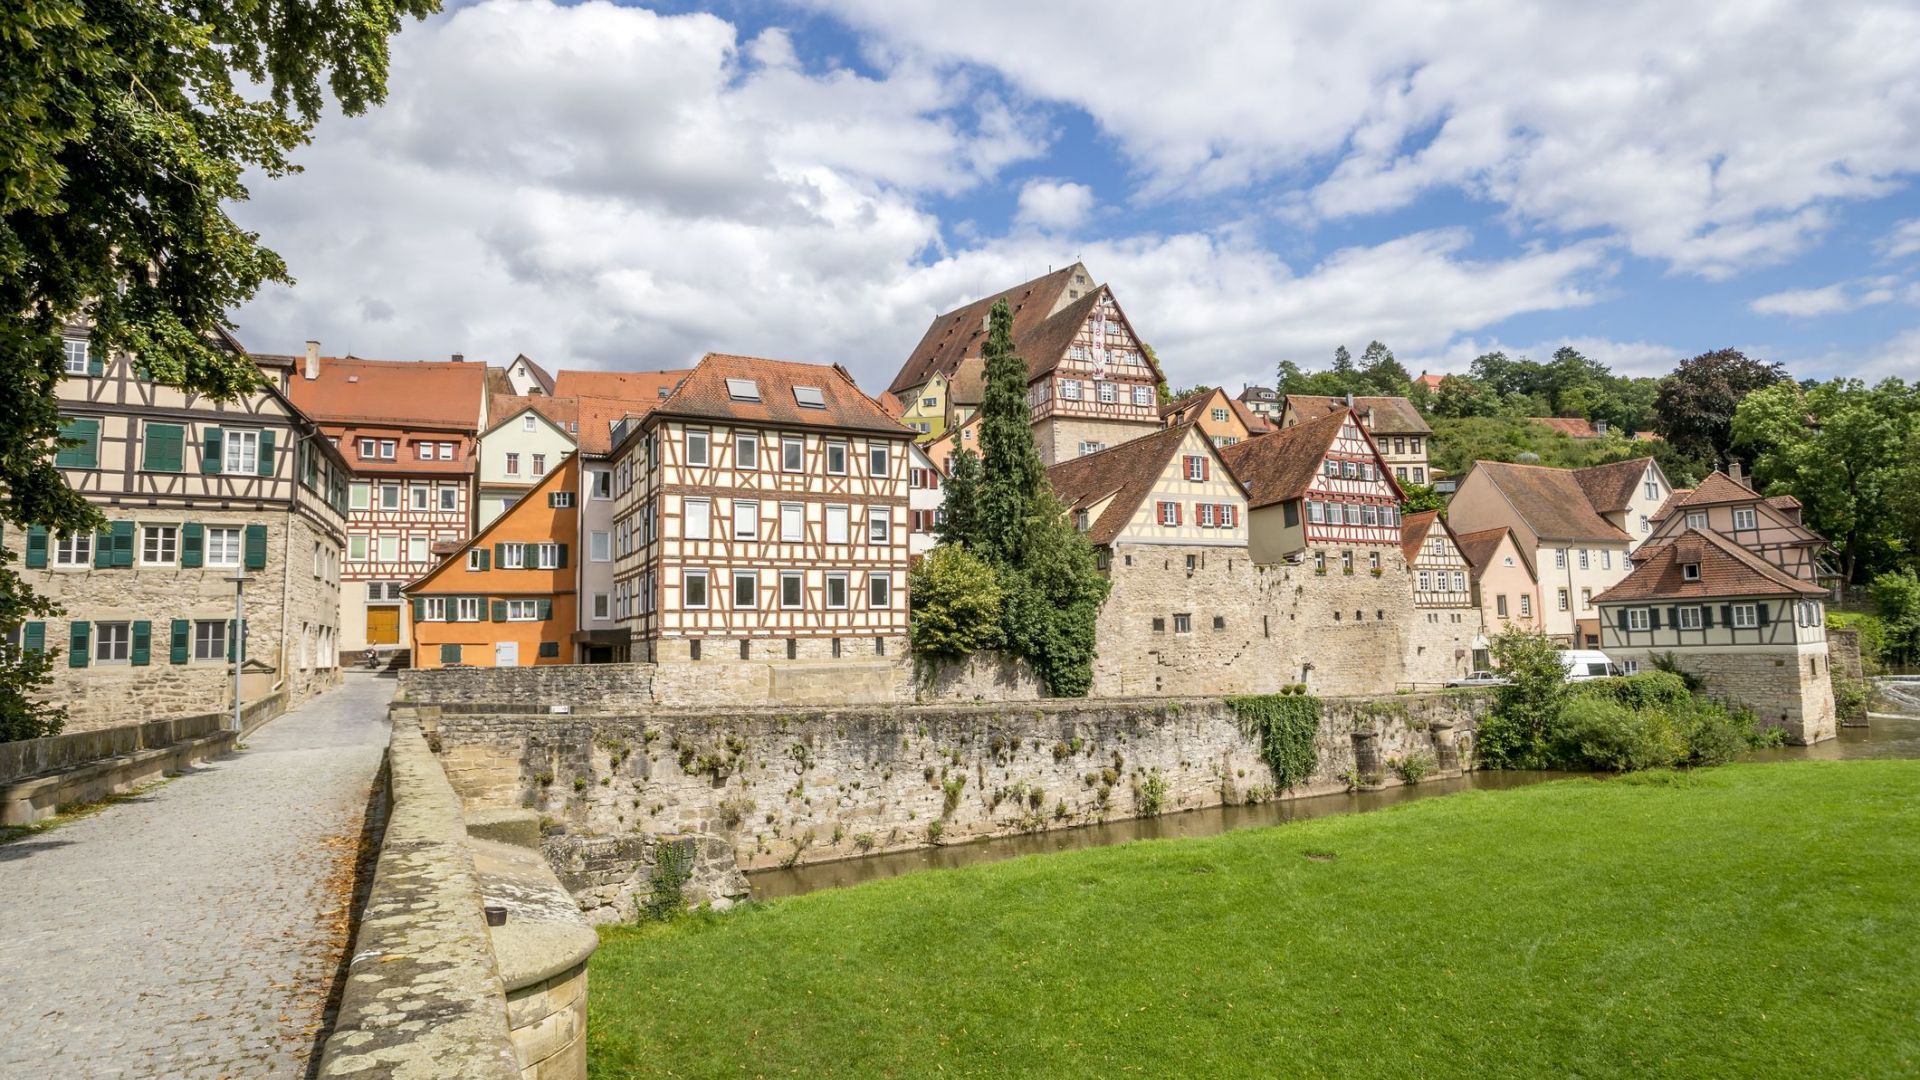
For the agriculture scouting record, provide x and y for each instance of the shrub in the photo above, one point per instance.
(1527, 707)
(1715, 734)
(1415, 767)
(672, 866)
(1150, 794)
(1594, 732)
(957, 603)
(1652, 690)
(1286, 727)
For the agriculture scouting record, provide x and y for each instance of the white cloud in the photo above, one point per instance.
(1634, 358)
(1901, 240)
(1835, 299)
(604, 186)
(1054, 204)
(1713, 137)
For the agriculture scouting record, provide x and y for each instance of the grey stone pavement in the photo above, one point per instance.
(194, 931)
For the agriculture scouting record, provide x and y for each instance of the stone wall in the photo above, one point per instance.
(1440, 644)
(785, 788)
(1788, 689)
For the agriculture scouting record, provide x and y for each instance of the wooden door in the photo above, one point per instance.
(383, 626)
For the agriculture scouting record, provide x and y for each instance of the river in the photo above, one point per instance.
(1891, 734)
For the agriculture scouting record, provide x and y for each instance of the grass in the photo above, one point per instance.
(1752, 920)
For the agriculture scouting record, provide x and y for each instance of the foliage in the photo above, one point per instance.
(123, 138)
(961, 500)
(1851, 454)
(1648, 721)
(24, 674)
(1377, 373)
(1670, 928)
(1600, 733)
(672, 867)
(1286, 727)
(1872, 631)
(1515, 735)
(1415, 767)
(1897, 596)
(1053, 598)
(1420, 498)
(957, 603)
(1150, 794)
(1696, 404)
(1015, 481)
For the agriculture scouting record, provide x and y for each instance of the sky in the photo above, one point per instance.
(628, 186)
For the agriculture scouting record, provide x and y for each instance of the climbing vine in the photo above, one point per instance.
(1285, 726)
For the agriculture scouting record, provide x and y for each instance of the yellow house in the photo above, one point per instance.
(926, 410)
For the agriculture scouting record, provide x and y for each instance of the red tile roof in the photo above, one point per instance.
(968, 383)
(1479, 548)
(704, 394)
(407, 394)
(1277, 466)
(1391, 415)
(958, 333)
(635, 386)
(598, 415)
(1677, 497)
(1575, 426)
(564, 412)
(1726, 569)
(1414, 529)
(1255, 423)
(1719, 488)
(891, 404)
(1610, 487)
(1551, 502)
(1128, 472)
(1431, 382)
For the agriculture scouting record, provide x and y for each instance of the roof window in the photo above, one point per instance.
(743, 390)
(1690, 571)
(809, 397)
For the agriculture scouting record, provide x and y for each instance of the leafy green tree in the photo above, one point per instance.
(1696, 403)
(1896, 596)
(124, 134)
(24, 673)
(1053, 602)
(1527, 708)
(1015, 480)
(957, 603)
(1843, 449)
(1419, 498)
(1384, 375)
(1464, 395)
(961, 504)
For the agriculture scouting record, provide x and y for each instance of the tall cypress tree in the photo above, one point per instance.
(1013, 481)
(962, 502)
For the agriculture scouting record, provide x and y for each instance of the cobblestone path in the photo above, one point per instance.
(194, 930)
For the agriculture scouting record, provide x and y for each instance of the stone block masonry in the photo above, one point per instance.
(791, 787)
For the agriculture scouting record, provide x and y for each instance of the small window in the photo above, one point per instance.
(1183, 623)
(242, 452)
(74, 355)
(879, 525)
(1636, 618)
(602, 606)
(746, 520)
(476, 559)
(746, 451)
(210, 640)
(743, 390)
(527, 423)
(1526, 605)
(792, 522)
(1696, 519)
(809, 397)
(879, 591)
(1690, 618)
(223, 545)
(563, 500)
(449, 497)
(523, 611)
(696, 448)
(1690, 571)
(1143, 395)
(792, 454)
(422, 496)
(1500, 605)
(1745, 616)
(1563, 599)
(836, 458)
(837, 525)
(746, 589)
(836, 591)
(159, 545)
(467, 609)
(693, 589)
(112, 642)
(539, 464)
(697, 519)
(790, 589)
(1745, 519)
(879, 462)
(513, 464)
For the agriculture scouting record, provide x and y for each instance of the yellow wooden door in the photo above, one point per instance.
(383, 626)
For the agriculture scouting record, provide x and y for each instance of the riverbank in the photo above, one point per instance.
(1750, 920)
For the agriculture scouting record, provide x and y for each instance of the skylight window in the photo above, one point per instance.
(743, 390)
(809, 397)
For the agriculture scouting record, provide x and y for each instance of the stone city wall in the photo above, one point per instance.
(1790, 690)
(793, 787)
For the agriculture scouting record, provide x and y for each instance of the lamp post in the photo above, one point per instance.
(239, 644)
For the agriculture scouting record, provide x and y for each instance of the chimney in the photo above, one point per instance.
(986, 322)
(1349, 399)
(1734, 470)
(459, 358)
(312, 368)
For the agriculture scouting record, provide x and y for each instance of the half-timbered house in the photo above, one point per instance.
(1216, 414)
(762, 508)
(1320, 490)
(195, 492)
(408, 429)
(1398, 429)
(1090, 382)
(1750, 631)
(506, 598)
(926, 500)
(1767, 527)
(1446, 624)
(527, 436)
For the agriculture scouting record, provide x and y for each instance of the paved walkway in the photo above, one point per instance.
(194, 931)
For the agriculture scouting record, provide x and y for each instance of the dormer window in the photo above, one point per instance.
(809, 397)
(1745, 519)
(1690, 571)
(743, 390)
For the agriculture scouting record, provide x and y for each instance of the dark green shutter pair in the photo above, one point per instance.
(80, 642)
(256, 547)
(213, 444)
(483, 557)
(36, 547)
(85, 454)
(165, 448)
(550, 648)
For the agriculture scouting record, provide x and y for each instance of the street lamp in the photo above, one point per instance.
(239, 644)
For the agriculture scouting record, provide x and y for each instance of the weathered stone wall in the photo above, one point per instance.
(307, 655)
(1843, 649)
(804, 787)
(1788, 689)
(1440, 644)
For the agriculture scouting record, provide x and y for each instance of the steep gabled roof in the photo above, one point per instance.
(598, 415)
(1610, 487)
(1719, 488)
(1726, 569)
(1249, 392)
(634, 386)
(1391, 415)
(1480, 548)
(539, 373)
(563, 413)
(1577, 427)
(1044, 346)
(1414, 529)
(968, 383)
(1253, 421)
(1551, 502)
(401, 393)
(456, 554)
(1185, 409)
(956, 334)
(1127, 472)
(1277, 466)
(1672, 503)
(704, 394)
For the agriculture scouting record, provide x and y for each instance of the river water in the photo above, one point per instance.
(1891, 734)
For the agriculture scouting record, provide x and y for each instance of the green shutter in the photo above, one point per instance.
(237, 640)
(545, 610)
(210, 450)
(77, 637)
(84, 455)
(499, 611)
(96, 364)
(192, 544)
(177, 648)
(164, 448)
(486, 557)
(33, 637)
(103, 548)
(256, 550)
(266, 453)
(36, 547)
(1623, 618)
(551, 496)
(562, 563)
(419, 609)
(1653, 618)
(123, 543)
(449, 654)
(142, 651)
(1706, 616)
(1760, 610)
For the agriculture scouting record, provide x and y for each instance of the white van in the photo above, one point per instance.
(1584, 664)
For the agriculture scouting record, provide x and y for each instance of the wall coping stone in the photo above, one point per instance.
(545, 932)
(51, 754)
(424, 997)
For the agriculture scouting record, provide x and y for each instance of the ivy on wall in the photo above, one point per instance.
(1286, 727)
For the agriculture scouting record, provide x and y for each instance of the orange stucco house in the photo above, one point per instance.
(506, 598)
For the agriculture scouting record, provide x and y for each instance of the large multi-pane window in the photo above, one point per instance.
(112, 642)
(223, 545)
(73, 549)
(210, 640)
(159, 545)
(74, 353)
(242, 452)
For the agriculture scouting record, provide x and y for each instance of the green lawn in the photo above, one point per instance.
(1754, 920)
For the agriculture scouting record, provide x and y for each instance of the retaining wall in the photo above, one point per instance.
(804, 786)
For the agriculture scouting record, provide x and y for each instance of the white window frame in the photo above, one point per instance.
(793, 523)
(746, 519)
(240, 452)
(602, 607)
(1106, 392)
(1746, 518)
(1746, 617)
(433, 609)
(73, 355)
(418, 550)
(879, 460)
(546, 556)
(1526, 605)
(473, 559)
(687, 578)
(1690, 618)
(1637, 619)
(1696, 519)
(357, 548)
(798, 581)
(746, 450)
(599, 545)
(359, 495)
(159, 545)
(837, 524)
(72, 550)
(513, 464)
(751, 580)
(879, 525)
(523, 611)
(420, 496)
(1142, 395)
(539, 464)
(469, 609)
(837, 581)
(227, 551)
(393, 503)
(449, 498)
(1070, 389)
(839, 448)
(796, 449)
(389, 548)
(696, 519)
(702, 442)
(883, 582)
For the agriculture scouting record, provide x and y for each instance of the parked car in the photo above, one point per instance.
(1481, 678)
(1584, 664)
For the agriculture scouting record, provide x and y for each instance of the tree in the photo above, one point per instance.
(1696, 402)
(1015, 480)
(1053, 601)
(1528, 706)
(1896, 596)
(1464, 395)
(1419, 498)
(122, 138)
(957, 603)
(962, 502)
(1383, 374)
